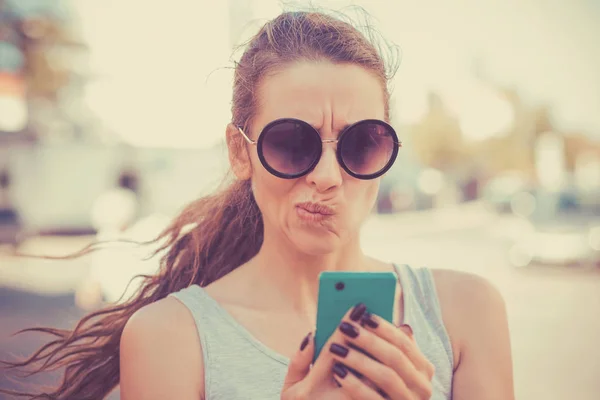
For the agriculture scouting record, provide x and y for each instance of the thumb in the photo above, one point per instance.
(300, 363)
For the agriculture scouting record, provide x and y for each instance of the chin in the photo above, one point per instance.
(317, 245)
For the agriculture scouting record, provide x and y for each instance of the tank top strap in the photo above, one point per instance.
(423, 313)
(236, 365)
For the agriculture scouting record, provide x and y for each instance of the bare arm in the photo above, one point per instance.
(475, 314)
(161, 355)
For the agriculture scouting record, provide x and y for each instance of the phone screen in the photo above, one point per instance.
(340, 291)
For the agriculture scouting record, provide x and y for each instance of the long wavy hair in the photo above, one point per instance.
(227, 227)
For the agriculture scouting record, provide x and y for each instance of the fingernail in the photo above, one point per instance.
(340, 370)
(305, 341)
(337, 383)
(382, 394)
(369, 321)
(358, 312)
(407, 329)
(348, 330)
(338, 350)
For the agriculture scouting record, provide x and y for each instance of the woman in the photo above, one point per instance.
(229, 314)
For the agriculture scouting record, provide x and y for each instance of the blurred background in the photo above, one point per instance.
(112, 118)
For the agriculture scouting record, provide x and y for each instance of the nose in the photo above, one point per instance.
(327, 175)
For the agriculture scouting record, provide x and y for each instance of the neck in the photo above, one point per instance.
(286, 276)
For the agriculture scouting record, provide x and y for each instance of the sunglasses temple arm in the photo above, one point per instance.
(246, 136)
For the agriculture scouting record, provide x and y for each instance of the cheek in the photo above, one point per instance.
(270, 192)
(365, 195)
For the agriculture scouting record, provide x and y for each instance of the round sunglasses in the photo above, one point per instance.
(290, 148)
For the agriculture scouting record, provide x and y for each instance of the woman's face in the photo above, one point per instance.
(329, 97)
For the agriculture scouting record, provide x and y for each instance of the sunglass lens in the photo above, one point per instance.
(290, 148)
(367, 148)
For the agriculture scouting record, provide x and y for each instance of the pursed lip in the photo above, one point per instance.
(316, 208)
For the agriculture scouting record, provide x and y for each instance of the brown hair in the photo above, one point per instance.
(227, 227)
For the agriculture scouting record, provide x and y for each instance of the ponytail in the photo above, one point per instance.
(226, 231)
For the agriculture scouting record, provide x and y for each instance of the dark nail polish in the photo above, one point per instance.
(340, 370)
(356, 348)
(382, 394)
(338, 384)
(338, 350)
(305, 341)
(406, 329)
(348, 330)
(367, 320)
(358, 312)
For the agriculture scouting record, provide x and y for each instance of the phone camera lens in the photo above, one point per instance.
(340, 286)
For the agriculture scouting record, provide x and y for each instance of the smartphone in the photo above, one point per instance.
(340, 291)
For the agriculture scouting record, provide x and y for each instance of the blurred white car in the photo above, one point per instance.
(568, 246)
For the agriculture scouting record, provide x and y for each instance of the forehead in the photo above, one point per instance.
(322, 94)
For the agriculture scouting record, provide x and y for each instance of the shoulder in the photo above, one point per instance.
(466, 290)
(473, 309)
(167, 317)
(161, 355)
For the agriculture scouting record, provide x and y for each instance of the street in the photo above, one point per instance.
(554, 312)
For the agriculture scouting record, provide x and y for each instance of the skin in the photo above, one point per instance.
(161, 355)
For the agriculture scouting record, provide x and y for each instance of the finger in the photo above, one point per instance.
(407, 331)
(429, 368)
(299, 365)
(381, 375)
(384, 352)
(321, 369)
(402, 338)
(351, 385)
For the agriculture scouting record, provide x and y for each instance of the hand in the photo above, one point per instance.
(398, 369)
(324, 380)
(316, 382)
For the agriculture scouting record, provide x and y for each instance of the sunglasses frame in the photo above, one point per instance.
(259, 148)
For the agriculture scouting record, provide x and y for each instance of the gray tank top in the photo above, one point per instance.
(237, 366)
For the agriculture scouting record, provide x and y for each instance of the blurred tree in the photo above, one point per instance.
(543, 119)
(46, 45)
(437, 138)
(579, 143)
(512, 150)
(41, 31)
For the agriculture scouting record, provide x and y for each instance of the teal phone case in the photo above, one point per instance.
(340, 291)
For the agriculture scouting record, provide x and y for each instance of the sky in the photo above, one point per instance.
(548, 49)
(164, 69)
